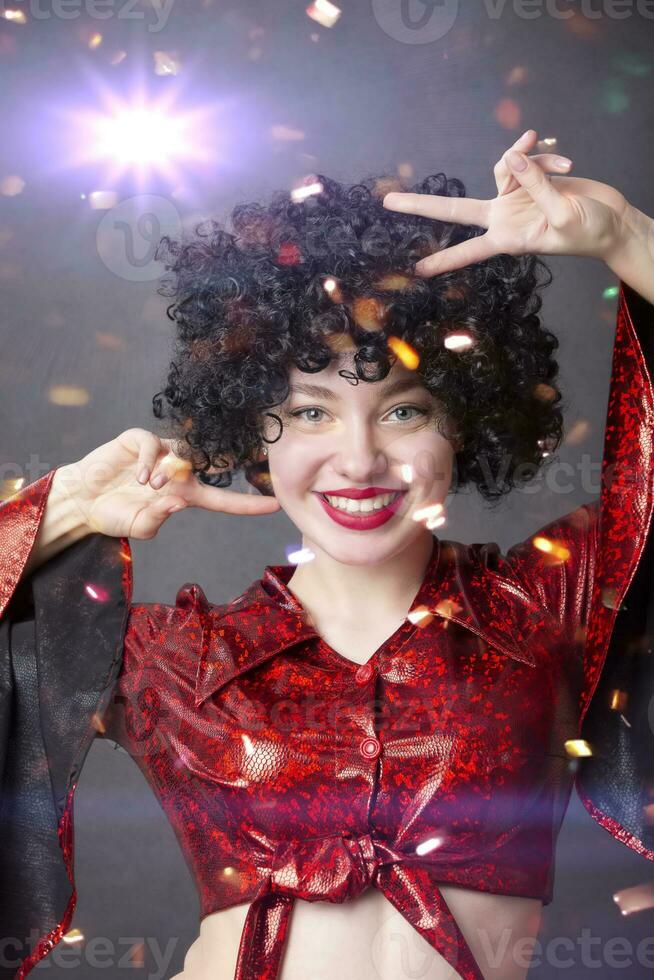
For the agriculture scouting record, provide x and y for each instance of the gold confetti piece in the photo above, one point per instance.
(618, 700)
(384, 186)
(577, 747)
(68, 395)
(458, 342)
(580, 634)
(9, 487)
(287, 133)
(508, 114)
(324, 12)
(544, 392)
(394, 280)
(555, 549)
(95, 41)
(648, 813)
(73, 936)
(11, 185)
(428, 845)
(117, 57)
(166, 63)
(15, 16)
(340, 343)
(432, 510)
(421, 616)
(125, 556)
(578, 432)
(637, 898)
(137, 955)
(98, 723)
(517, 75)
(405, 170)
(405, 352)
(448, 608)
(307, 190)
(300, 557)
(546, 145)
(247, 744)
(228, 872)
(406, 472)
(103, 200)
(109, 341)
(610, 598)
(368, 313)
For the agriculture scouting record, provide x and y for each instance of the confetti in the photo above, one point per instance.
(577, 747)
(324, 12)
(405, 352)
(68, 395)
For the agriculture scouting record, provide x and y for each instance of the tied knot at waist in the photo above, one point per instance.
(329, 869)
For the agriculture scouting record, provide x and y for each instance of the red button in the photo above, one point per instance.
(369, 748)
(364, 673)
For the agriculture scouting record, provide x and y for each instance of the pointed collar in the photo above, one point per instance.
(457, 585)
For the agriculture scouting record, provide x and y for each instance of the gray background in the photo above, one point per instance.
(368, 95)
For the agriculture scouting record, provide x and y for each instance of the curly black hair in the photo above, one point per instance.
(330, 270)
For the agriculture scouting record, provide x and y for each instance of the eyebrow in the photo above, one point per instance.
(318, 391)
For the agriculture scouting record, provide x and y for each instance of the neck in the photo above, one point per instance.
(362, 593)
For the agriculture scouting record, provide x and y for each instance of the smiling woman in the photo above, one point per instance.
(392, 724)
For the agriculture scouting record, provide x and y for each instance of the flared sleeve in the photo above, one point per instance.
(616, 782)
(61, 642)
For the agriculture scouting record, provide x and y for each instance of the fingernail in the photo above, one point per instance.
(562, 163)
(516, 160)
(143, 475)
(158, 481)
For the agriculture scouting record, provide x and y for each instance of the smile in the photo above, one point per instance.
(362, 515)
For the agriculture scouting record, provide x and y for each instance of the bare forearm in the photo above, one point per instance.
(62, 523)
(632, 259)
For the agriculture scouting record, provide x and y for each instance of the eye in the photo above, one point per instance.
(301, 411)
(410, 408)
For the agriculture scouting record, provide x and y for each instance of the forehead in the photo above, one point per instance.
(331, 383)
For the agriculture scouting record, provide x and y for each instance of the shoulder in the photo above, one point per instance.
(555, 564)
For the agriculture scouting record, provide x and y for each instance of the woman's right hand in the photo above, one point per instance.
(106, 487)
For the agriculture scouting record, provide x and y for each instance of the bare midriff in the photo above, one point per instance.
(366, 938)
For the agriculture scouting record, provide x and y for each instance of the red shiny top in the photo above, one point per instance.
(287, 770)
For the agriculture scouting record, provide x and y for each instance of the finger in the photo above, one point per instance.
(230, 501)
(149, 448)
(461, 210)
(169, 467)
(150, 518)
(506, 182)
(457, 256)
(501, 172)
(554, 205)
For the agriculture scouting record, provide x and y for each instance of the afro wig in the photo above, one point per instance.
(301, 282)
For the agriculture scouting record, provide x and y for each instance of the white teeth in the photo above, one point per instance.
(365, 506)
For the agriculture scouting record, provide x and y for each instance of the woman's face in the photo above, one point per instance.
(343, 436)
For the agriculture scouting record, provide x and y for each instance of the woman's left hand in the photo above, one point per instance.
(532, 213)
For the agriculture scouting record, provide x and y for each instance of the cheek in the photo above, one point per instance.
(293, 464)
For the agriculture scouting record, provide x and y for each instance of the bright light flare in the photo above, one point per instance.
(140, 136)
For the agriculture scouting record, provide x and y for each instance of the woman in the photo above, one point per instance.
(379, 737)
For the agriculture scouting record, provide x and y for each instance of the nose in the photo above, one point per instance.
(360, 457)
